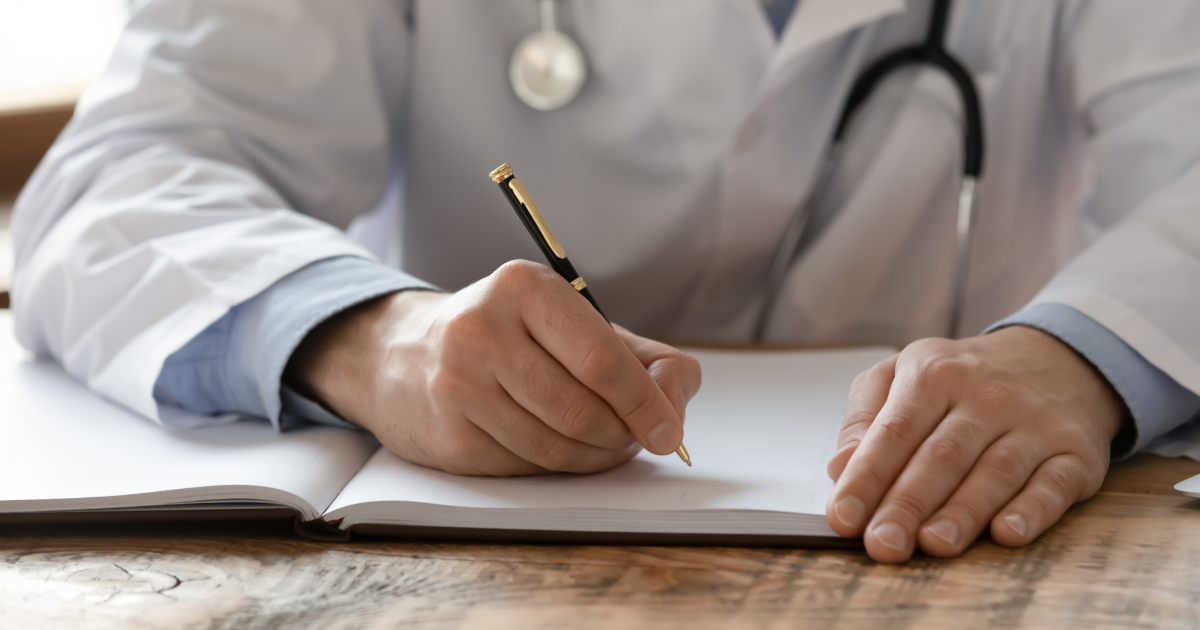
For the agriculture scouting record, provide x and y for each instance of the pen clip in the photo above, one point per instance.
(515, 186)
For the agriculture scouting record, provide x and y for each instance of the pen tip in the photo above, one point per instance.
(683, 454)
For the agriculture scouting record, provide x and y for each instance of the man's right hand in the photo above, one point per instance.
(514, 375)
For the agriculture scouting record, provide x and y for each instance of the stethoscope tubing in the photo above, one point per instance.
(931, 52)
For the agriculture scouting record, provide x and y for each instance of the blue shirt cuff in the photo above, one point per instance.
(236, 365)
(1157, 402)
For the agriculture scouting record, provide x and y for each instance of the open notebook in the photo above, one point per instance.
(759, 432)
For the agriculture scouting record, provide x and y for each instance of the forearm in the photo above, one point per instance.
(1157, 403)
(237, 364)
(186, 184)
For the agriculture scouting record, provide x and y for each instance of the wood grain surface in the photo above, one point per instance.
(1130, 558)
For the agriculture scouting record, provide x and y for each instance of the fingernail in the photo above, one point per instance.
(892, 536)
(1016, 522)
(850, 512)
(945, 530)
(665, 438)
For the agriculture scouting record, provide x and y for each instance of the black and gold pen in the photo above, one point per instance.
(528, 211)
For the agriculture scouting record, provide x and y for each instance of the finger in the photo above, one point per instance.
(540, 384)
(577, 336)
(915, 405)
(995, 479)
(461, 448)
(527, 437)
(677, 373)
(1055, 486)
(932, 475)
(868, 393)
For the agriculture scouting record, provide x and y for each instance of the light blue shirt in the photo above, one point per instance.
(778, 13)
(1157, 402)
(236, 365)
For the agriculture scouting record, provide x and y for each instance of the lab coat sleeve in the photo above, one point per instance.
(1156, 402)
(190, 176)
(236, 365)
(1131, 73)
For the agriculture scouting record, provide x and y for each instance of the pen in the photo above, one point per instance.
(528, 211)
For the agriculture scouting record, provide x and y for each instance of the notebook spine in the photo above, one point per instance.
(320, 531)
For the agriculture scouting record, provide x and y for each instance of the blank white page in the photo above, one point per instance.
(63, 448)
(760, 432)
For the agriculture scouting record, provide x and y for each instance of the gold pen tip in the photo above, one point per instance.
(502, 172)
(684, 455)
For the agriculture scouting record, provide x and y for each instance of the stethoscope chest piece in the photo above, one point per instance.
(547, 69)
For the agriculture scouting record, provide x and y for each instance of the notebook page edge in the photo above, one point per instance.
(62, 441)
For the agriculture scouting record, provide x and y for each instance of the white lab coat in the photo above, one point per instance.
(229, 142)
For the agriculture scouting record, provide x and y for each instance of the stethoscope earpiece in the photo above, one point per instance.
(547, 69)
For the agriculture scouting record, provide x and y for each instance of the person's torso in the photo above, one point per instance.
(671, 177)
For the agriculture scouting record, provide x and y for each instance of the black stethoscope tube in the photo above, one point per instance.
(931, 52)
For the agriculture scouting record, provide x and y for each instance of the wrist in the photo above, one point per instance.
(1107, 406)
(337, 362)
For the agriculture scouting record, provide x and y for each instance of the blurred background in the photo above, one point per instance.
(49, 51)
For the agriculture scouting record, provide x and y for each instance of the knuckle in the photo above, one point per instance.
(1061, 483)
(923, 349)
(856, 421)
(1089, 454)
(910, 506)
(947, 453)
(1037, 419)
(454, 449)
(1067, 435)
(972, 513)
(896, 430)
(644, 400)
(1095, 467)
(867, 379)
(467, 329)
(599, 366)
(882, 368)
(863, 379)
(940, 370)
(848, 441)
(874, 484)
(1041, 503)
(447, 385)
(517, 274)
(1006, 464)
(575, 420)
(559, 456)
(996, 398)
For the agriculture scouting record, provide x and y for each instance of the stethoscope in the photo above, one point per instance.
(548, 70)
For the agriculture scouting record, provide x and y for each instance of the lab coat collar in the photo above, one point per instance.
(818, 21)
(815, 23)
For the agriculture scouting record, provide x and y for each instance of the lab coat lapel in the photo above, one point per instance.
(818, 21)
(770, 163)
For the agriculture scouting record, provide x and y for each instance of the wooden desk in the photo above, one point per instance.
(1128, 558)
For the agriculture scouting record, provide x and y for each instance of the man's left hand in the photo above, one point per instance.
(1007, 430)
